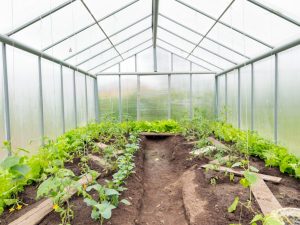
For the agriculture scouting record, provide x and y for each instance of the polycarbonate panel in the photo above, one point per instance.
(69, 98)
(174, 40)
(260, 23)
(2, 131)
(237, 41)
(291, 9)
(288, 99)
(163, 60)
(180, 64)
(18, 12)
(264, 81)
(212, 58)
(134, 41)
(245, 82)
(154, 97)
(78, 42)
(221, 97)
(23, 85)
(176, 50)
(106, 65)
(232, 98)
(52, 104)
(127, 16)
(145, 61)
(137, 49)
(185, 15)
(204, 63)
(146, 22)
(128, 65)
(81, 99)
(203, 87)
(51, 29)
(108, 87)
(91, 99)
(129, 96)
(180, 96)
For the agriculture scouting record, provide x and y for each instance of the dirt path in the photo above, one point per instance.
(162, 202)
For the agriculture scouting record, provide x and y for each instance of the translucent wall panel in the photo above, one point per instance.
(221, 97)
(264, 97)
(129, 97)
(24, 99)
(154, 97)
(81, 99)
(203, 87)
(163, 60)
(69, 98)
(91, 99)
(288, 99)
(145, 61)
(51, 81)
(180, 96)
(2, 132)
(245, 76)
(128, 65)
(232, 98)
(108, 87)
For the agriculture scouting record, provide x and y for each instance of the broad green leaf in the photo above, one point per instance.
(253, 169)
(126, 202)
(10, 201)
(233, 206)
(237, 164)
(90, 202)
(110, 192)
(251, 177)
(21, 169)
(244, 182)
(10, 162)
(258, 217)
(95, 214)
(273, 220)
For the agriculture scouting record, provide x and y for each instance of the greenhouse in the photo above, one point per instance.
(139, 112)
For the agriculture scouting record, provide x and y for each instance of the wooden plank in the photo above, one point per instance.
(218, 144)
(264, 197)
(37, 214)
(102, 146)
(100, 161)
(241, 173)
(157, 134)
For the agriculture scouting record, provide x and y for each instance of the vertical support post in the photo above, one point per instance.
(138, 97)
(6, 98)
(75, 98)
(169, 96)
(216, 98)
(276, 101)
(120, 95)
(154, 59)
(62, 99)
(96, 100)
(191, 92)
(239, 98)
(252, 97)
(41, 105)
(86, 100)
(226, 99)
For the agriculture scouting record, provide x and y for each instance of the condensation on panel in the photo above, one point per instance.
(52, 105)
(91, 99)
(108, 87)
(245, 79)
(180, 96)
(23, 87)
(232, 98)
(154, 97)
(129, 97)
(221, 97)
(69, 99)
(288, 99)
(264, 81)
(163, 60)
(203, 87)
(81, 99)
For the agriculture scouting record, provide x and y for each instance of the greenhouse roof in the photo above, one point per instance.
(94, 35)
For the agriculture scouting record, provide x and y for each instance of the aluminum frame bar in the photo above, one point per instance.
(155, 73)
(40, 17)
(210, 29)
(264, 55)
(90, 25)
(193, 43)
(269, 9)
(225, 24)
(102, 40)
(99, 26)
(41, 100)
(19, 45)
(208, 38)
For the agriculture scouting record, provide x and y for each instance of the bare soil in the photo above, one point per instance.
(169, 188)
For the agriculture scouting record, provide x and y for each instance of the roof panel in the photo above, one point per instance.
(171, 48)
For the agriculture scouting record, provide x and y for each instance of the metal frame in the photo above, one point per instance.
(86, 100)
(225, 24)
(239, 98)
(155, 6)
(252, 97)
(153, 73)
(62, 99)
(210, 29)
(41, 105)
(75, 98)
(191, 92)
(276, 100)
(96, 91)
(120, 95)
